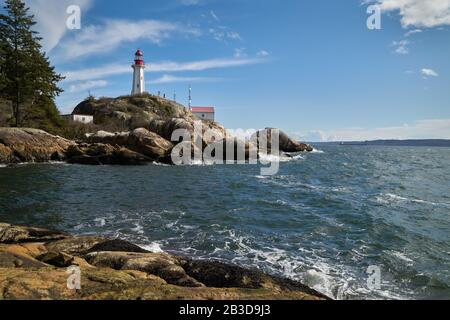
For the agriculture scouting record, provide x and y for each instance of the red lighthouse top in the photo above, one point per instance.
(139, 61)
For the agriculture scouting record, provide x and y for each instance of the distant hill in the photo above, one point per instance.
(393, 143)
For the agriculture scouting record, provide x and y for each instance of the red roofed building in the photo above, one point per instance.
(204, 113)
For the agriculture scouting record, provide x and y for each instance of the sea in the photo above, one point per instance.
(353, 222)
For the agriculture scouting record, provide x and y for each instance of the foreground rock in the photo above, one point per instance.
(33, 265)
(31, 145)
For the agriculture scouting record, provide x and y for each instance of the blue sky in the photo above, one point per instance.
(310, 67)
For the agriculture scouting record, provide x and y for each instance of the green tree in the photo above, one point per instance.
(28, 77)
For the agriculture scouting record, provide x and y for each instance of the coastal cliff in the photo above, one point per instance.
(34, 262)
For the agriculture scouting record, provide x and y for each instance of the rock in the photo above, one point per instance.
(233, 150)
(74, 246)
(31, 145)
(148, 143)
(132, 111)
(141, 141)
(166, 128)
(16, 234)
(36, 271)
(108, 284)
(286, 143)
(158, 264)
(57, 259)
(220, 275)
(117, 246)
(104, 154)
(11, 260)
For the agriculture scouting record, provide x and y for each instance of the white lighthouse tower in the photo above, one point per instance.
(138, 75)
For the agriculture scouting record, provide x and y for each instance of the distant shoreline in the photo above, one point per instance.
(392, 143)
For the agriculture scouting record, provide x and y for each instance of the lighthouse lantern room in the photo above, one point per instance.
(138, 75)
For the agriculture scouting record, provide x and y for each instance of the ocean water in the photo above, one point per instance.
(323, 219)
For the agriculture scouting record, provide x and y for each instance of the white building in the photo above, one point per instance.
(138, 74)
(204, 113)
(81, 118)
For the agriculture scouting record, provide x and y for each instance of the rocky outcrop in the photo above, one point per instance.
(31, 145)
(166, 128)
(14, 234)
(139, 140)
(137, 147)
(161, 265)
(286, 144)
(104, 154)
(150, 124)
(132, 111)
(34, 266)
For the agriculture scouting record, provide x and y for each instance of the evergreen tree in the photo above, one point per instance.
(28, 77)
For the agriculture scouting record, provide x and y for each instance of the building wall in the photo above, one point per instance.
(205, 116)
(83, 118)
(138, 80)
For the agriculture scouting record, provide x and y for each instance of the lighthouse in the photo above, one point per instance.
(138, 75)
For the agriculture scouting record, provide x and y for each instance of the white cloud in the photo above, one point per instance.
(263, 53)
(240, 53)
(223, 34)
(190, 2)
(214, 15)
(419, 13)
(86, 85)
(429, 73)
(95, 73)
(107, 37)
(401, 46)
(116, 69)
(414, 31)
(172, 79)
(423, 129)
(234, 35)
(51, 19)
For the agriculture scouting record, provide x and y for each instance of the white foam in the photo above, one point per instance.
(401, 256)
(159, 164)
(276, 158)
(139, 229)
(332, 278)
(100, 222)
(154, 247)
(317, 151)
(387, 198)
